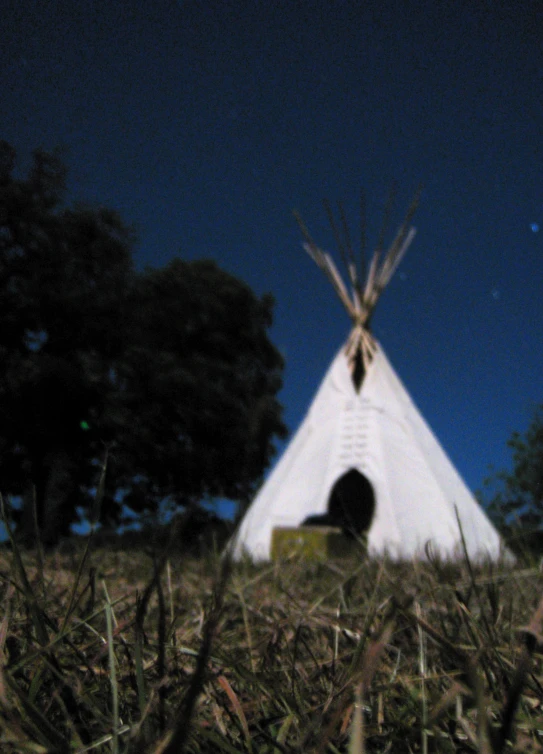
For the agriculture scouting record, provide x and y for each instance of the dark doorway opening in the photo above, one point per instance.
(351, 505)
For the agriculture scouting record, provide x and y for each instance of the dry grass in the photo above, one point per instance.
(120, 652)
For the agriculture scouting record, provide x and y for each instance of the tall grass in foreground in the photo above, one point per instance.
(110, 651)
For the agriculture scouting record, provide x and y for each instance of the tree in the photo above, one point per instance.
(515, 499)
(63, 276)
(171, 369)
(195, 412)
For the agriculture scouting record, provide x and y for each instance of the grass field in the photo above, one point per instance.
(110, 651)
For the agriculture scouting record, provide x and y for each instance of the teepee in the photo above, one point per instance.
(364, 458)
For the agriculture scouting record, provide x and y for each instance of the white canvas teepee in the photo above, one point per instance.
(364, 441)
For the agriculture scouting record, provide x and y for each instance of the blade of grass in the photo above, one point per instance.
(238, 709)
(103, 740)
(422, 669)
(177, 741)
(356, 738)
(37, 616)
(112, 674)
(39, 548)
(95, 517)
(45, 731)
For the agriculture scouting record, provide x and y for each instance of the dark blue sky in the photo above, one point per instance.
(206, 123)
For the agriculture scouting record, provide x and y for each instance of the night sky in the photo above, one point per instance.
(206, 123)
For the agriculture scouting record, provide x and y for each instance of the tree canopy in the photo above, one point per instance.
(195, 410)
(170, 369)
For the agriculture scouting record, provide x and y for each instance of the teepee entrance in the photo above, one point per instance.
(352, 503)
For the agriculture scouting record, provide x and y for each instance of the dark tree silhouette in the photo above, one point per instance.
(63, 276)
(171, 370)
(195, 412)
(515, 498)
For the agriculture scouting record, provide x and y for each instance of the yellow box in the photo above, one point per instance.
(311, 543)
